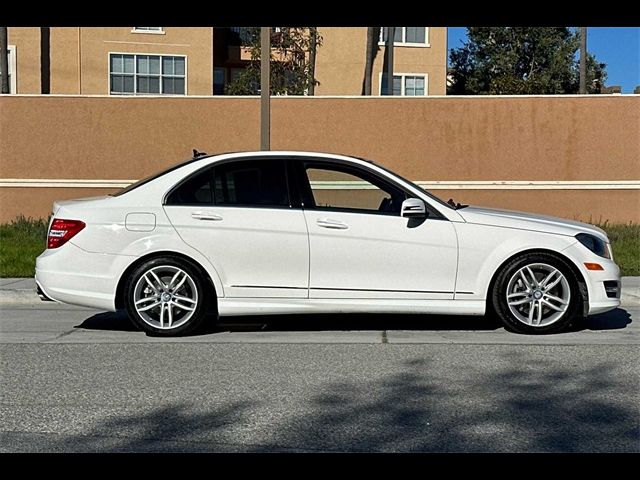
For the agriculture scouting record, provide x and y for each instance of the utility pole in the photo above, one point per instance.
(265, 87)
(583, 60)
(391, 33)
(4, 60)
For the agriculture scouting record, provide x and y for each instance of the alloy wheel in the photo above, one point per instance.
(538, 294)
(165, 297)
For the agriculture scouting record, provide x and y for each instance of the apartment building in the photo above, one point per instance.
(203, 60)
(111, 60)
(419, 61)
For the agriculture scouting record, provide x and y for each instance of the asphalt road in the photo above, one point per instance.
(77, 380)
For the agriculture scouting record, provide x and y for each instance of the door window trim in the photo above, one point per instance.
(214, 165)
(301, 178)
(349, 169)
(295, 182)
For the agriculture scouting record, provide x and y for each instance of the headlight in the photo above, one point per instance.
(596, 245)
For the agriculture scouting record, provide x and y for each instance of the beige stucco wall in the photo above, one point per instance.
(27, 43)
(80, 56)
(428, 139)
(341, 59)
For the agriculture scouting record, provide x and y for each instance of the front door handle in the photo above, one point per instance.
(206, 216)
(333, 224)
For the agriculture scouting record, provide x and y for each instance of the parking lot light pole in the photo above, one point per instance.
(265, 87)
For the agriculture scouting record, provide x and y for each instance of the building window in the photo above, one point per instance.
(219, 77)
(241, 36)
(133, 74)
(156, 30)
(407, 36)
(12, 68)
(406, 84)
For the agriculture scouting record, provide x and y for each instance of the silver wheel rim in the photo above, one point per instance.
(538, 295)
(165, 297)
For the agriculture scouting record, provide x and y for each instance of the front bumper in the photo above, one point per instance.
(603, 286)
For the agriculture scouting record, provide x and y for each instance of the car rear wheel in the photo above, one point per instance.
(166, 297)
(536, 293)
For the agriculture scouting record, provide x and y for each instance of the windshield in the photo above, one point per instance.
(430, 195)
(139, 183)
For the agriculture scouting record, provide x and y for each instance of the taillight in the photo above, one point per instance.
(61, 231)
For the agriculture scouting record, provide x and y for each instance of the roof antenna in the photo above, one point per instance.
(197, 154)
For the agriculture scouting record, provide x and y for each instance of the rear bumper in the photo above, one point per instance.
(72, 275)
(41, 294)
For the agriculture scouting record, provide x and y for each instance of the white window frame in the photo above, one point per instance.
(404, 43)
(402, 87)
(151, 32)
(12, 69)
(135, 74)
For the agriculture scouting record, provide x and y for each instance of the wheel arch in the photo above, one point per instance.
(210, 285)
(582, 284)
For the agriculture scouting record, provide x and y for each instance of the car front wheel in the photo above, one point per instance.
(536, 293)
(166, 297)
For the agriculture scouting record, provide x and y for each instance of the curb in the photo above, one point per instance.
(13, 297)
(630, 296)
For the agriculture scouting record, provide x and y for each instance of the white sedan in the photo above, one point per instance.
(298, 232)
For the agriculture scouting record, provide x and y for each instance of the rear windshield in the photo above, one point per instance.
(139, 183)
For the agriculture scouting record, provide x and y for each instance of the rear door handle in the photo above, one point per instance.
(206, 216)
(333, 224)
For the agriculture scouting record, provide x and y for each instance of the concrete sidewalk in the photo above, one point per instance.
(23, 290)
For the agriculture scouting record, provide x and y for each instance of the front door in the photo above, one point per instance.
(239, 215)
(361, 247)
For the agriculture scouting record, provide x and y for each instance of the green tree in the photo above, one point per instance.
(292, 62)
(521, 60)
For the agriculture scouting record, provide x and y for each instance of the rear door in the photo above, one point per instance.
(239, 215)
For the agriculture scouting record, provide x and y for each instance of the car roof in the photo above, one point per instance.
(270, 153)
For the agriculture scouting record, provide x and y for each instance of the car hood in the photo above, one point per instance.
(528, 221)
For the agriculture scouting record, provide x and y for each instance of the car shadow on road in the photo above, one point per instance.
(118, 321)
(350, 322)
(613, 320)
(109, 321)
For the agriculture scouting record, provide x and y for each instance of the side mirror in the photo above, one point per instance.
(413, 208)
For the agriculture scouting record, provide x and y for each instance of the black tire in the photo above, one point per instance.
(204, 297)
(499, 294)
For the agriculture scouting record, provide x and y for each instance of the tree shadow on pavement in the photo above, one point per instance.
(170, 428)
(542, 407)
(517, 401)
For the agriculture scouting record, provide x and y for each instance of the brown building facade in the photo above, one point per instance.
(419, 61)
(114, 60)
(202, 60)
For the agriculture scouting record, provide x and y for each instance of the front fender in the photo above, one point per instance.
(484, 248)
